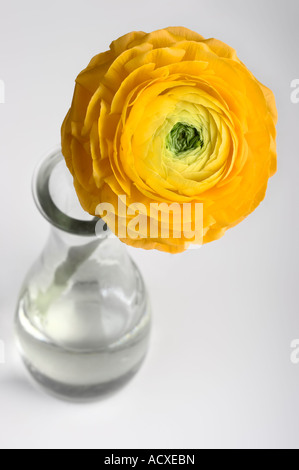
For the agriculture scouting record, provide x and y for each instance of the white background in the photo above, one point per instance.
(218, 373)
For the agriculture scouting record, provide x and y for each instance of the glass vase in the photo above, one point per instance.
(83, 316)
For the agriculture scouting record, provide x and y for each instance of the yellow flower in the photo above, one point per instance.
(170, 117)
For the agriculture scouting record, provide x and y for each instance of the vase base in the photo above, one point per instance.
(79, 393)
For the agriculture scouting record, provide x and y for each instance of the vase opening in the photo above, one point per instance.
(56, 199)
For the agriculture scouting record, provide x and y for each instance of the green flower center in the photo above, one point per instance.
(182, 138)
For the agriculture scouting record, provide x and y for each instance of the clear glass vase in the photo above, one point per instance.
(83, 316)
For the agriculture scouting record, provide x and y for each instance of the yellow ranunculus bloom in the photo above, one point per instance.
(171, 117)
